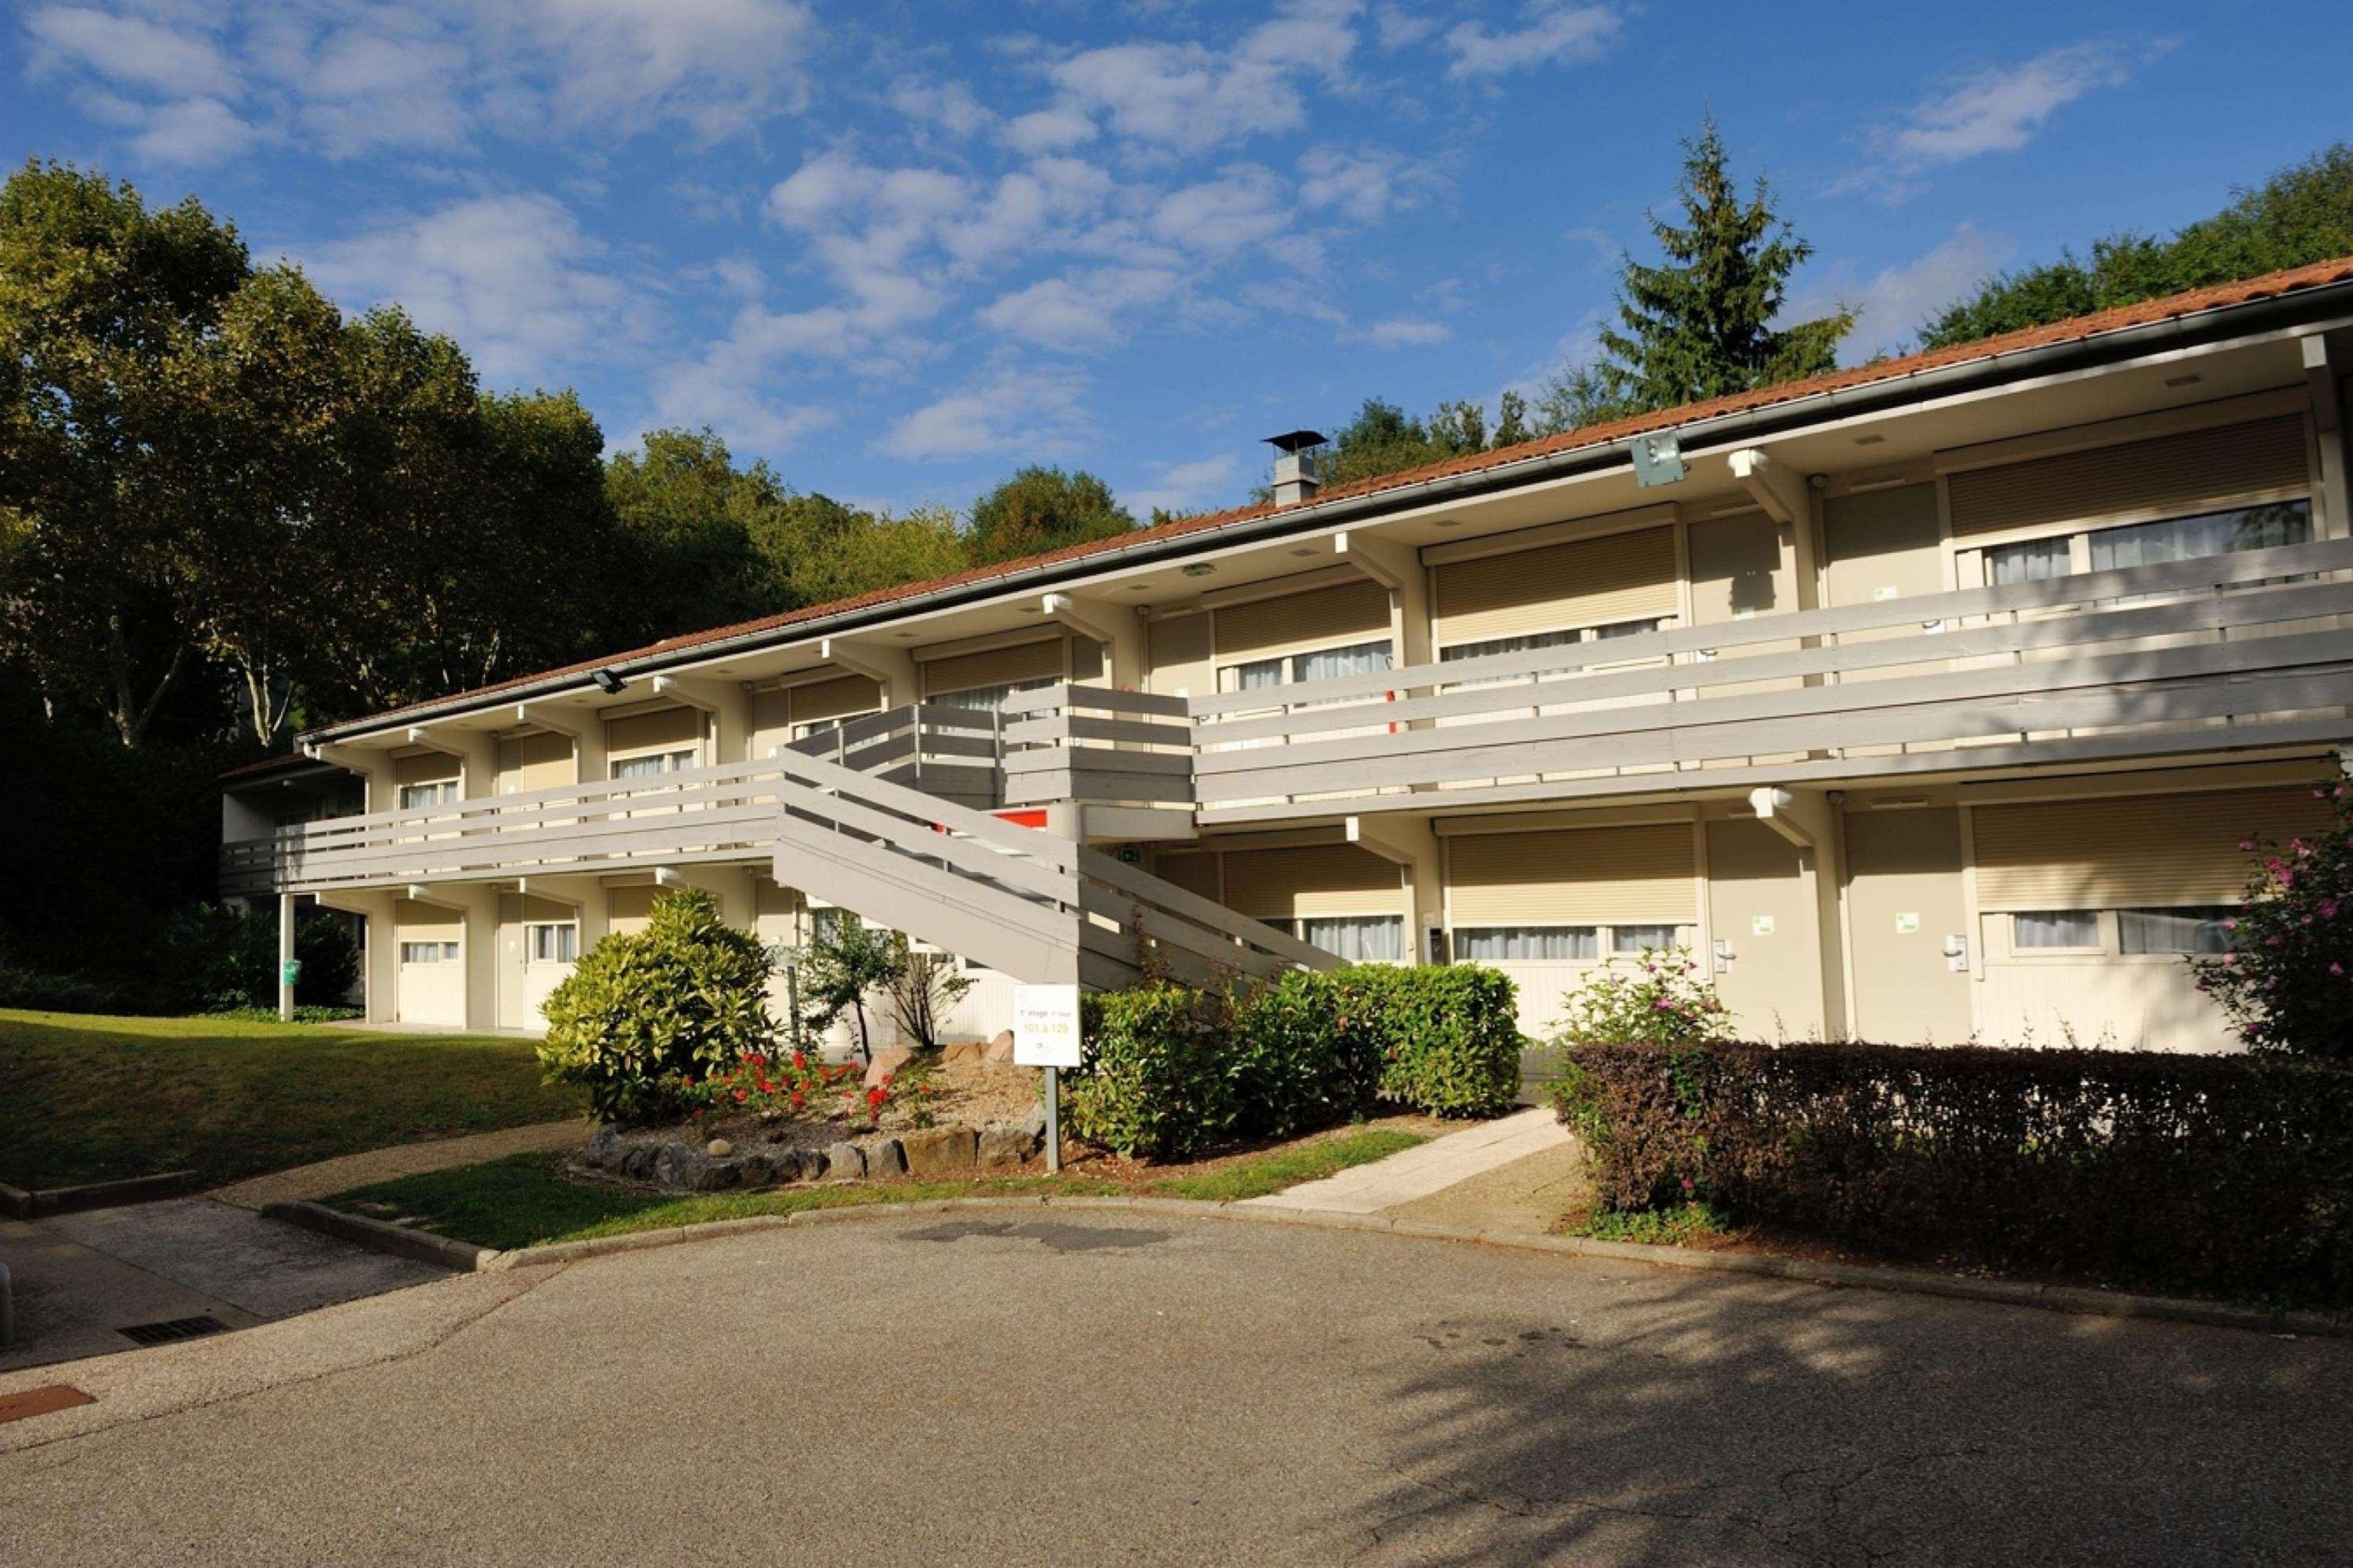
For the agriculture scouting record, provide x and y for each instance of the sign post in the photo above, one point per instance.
(1046, 1035)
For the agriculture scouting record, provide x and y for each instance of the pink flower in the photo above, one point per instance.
(2247, 843)
(2335, 969)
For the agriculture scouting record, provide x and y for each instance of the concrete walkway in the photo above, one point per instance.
(1431, 1168)
(341, 1175)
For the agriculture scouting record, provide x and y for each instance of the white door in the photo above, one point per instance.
(549, 950)
(432, 982)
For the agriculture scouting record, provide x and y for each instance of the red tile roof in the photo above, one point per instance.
(2076, 329)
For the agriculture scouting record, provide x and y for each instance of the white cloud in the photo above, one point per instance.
(1996, 110)
(512, 278)
(197, 131)
(1365, 185)
(716, 65)
(1894, 303)
(1408, 332)
(1183, 487)
(1190, 98)
(130, 51)
(1400, 28)
(1551, 32)
(1078, 310)
(1049, 130)
(1244, 205)
(950, 105)
(1035, 412)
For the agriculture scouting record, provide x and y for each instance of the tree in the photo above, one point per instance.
(1042, 508)
(1700, 323)
(846, 959)
(2301, 213)
(875, 550)
(690, 528)
(922, 989)
(103, 302)
(1384, 439)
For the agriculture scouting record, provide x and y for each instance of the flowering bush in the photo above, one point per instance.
(1657, 1000)
(796, 1086)
(2287, 980)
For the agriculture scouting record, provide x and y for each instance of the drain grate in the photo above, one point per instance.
(165, 1332)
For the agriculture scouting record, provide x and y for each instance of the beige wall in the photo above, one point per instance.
(664, 730)
(1179, 649)
(1905, 900)
(1761, 902)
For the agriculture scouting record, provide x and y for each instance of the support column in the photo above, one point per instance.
(285, 957)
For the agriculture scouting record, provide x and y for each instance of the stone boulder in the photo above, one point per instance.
(999, 1051)
(844, 1162)
(888, 1060)
(1004, 1147)
(885, 1158)
(939, 1153)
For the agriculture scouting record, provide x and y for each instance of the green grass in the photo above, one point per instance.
(525, 1200)
(87, 1097)
(1671, 1226)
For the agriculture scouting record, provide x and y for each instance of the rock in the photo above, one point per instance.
(1004, 1148)
(887, 1062)
(604, 1151)
(714, 1177)
(679, 1168)
(938, 1154)
(885, 1158)
(757, 1171)
(1000, 1049)
(639, 1162)
(963, 1050)
(844, 1162)
(719, 1148)
(1033, 1122)
(795, 1165)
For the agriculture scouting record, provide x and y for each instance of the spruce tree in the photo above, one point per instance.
(1700, 323)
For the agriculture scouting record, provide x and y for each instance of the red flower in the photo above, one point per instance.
(876, 1095)
(741, 1097)
(800, 1059)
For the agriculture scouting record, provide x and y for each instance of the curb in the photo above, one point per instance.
(2077, 1299)
(41, 1202)
(400, 1241)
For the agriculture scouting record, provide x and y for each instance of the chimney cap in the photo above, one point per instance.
(1295, 440)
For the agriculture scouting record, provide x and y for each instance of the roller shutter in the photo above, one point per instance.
(1320, 879)
(2126, 854)
(2186, 473)
(1194, 873)
(835, 698)
(1585, 876)
(995, 667)
(670, 729)
(1326, 617)
(1589, 582)
(628, 910)
(431, 767)
(528, 762)
(427, 923)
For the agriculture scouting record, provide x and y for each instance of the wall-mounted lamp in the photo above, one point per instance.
(608, 682)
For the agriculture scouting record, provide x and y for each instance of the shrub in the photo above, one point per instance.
(1159, 1075)
(640, 1014)
(921, 989)
(1169, 1070)
(2232, 1173)
(1658, 999)
(2287, 980)
(846, 959)
(217, 959)
(35, 989)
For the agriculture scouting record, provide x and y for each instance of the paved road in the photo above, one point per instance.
(1099, 1387)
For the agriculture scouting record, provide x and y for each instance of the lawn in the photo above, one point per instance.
(86, 1098)
(525, 1199)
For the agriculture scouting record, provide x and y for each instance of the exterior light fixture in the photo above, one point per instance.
(1658, 460)
(1199, 569)
(608, 682)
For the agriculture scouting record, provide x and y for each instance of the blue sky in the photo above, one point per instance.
(899, 249)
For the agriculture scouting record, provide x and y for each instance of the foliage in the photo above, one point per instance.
(794, 1085)
(1670, 1226)
(90, 1097)
(1042, 509)
(2301, 213)
(216, 959)
(1273, 1171)
(1384, 439)
(1700, 324)
(1659, 999)
(2232, 1173)
(923, 987)
(2288, 983)
(1168, 1070)
(846, 961)
(641, 1014)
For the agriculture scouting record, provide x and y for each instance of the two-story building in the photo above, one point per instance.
(1925, 700)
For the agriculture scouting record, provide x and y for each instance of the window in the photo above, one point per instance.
(414, 795)
(1359, 938)
(988, 699)
(1634, 940)
(2209, 533)
(647, 767)
(1493, 944)
(1324, 664)
(2032, 562)
(2176, 931)
(429, 952)
(553, 941)
(2054, 929)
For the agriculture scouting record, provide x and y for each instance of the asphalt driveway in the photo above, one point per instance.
(1091, 1388)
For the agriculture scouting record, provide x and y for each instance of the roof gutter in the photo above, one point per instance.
(2301, 308)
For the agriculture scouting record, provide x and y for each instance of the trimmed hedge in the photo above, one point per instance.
(1169, 1070)
(2227, 1173)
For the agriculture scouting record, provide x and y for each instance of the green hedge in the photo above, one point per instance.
(1170, 1071)
(2225, 1173)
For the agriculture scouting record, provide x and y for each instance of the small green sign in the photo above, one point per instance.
(290, 972)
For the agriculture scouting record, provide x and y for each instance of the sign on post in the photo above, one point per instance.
(1046, 1035)
(1046, 1026)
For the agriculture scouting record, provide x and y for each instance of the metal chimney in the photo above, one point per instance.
(1296, 479)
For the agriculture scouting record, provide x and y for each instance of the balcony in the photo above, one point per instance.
(2228, 652)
